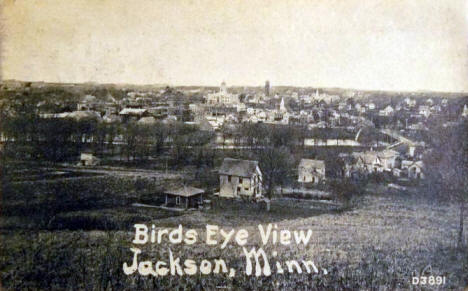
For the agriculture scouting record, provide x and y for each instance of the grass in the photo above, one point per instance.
(82, 238)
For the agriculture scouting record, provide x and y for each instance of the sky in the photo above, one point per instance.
(405, 45)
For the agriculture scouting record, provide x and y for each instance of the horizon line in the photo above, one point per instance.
(235, 85)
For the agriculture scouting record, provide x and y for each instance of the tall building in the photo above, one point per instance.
(267, 88)
(223, 88)
(222, 97)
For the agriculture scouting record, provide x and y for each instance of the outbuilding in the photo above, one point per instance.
(184, 197)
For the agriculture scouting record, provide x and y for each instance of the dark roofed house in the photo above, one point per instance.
(184, 197)
(240, 178)
(133, 114)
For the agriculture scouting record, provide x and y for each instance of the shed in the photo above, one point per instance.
(88, 159)
(184, 196)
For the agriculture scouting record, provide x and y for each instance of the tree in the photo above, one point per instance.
(129, 134)
(344, 191)
(448, 163)
(159, 133)
(275, 164)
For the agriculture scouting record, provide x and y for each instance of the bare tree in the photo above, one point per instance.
(275, 164)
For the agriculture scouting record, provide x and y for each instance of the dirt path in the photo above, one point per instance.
(115, 171)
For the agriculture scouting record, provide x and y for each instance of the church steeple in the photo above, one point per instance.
(282, 107)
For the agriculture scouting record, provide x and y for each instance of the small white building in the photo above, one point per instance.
(387, 111)
(311, 171)
(88, 159)
(414, 169)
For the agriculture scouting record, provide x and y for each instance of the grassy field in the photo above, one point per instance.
(77, 234)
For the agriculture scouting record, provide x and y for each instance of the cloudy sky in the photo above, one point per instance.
(366, 44)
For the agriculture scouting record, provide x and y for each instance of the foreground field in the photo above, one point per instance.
(67, 235)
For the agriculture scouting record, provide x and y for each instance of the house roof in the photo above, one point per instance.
(370, 156)
(185, 191)
(410, 164)
(366, 157)
(132, 111)
(111, 118)
(235, 167)
(78, 115)
(308, 163)
(388, 153)
(147, 120)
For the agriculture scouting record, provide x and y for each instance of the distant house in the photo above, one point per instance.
(389, 158)
(88, 159)
(184, 197)
(133, 114)
(372, 162)
(111, 118)
(410, 102)
(368, 162)
(148, 120)
(239, 178)
(78, 115)
(424, 110)
(88, 102)
(414, 169)
(370, 106)
(311, 171)
(387, 111)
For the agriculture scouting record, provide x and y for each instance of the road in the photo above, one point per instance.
(398, 136)
(118, 171)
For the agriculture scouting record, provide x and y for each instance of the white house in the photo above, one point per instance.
(414, 169)
(424, 110)
(239, 178)
(88, 159)
(410, 102)
(311, 171)
(372, 162)
(387, 111)
(368, 162)
(370, 106)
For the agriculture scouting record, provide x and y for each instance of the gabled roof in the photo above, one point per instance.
(409, 164)
(235, 167)
(185, 191)
(308, 163)
(388, 153)
(367, 157)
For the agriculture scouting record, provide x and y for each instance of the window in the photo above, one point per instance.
(240, 180)
(177, 200)
(238, 189)
(229, 178)
(246, 188)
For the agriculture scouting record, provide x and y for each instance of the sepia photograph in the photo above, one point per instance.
(234, 145)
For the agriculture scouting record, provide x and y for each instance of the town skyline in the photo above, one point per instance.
(238, 86)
